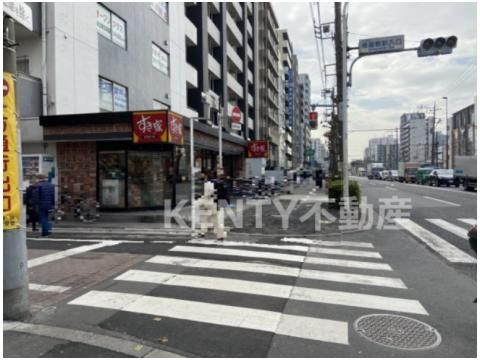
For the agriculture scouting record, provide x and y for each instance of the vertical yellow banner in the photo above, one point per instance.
(11, 190)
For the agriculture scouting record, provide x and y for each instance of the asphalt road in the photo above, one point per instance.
(277, 292)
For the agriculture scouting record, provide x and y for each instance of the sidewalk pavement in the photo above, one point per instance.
(36, 340)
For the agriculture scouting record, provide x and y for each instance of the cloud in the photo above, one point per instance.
(386, 86)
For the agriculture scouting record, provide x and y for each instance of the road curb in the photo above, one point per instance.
(120, 345)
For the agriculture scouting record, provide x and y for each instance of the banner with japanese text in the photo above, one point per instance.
(175, 129)
(150, 127)
(257, 149)
(11, 190)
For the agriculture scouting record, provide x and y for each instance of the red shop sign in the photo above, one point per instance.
(175, 129)
(149, 127)
(258, 149)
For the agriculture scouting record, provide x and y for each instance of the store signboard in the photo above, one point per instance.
(150, 127)
(11, 190)
(103, 21)
(258, 149)
(175, 129)
(118, 31)
(290, 103)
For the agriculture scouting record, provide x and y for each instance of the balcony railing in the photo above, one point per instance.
(192, 76)
(235, 85)
(190, 32)
(233, 27)
(213, 31)
(236, 60)
(214, 66)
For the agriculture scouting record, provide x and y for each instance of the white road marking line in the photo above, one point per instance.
(114, 242)
(66, 253)
(353, 278)
(358, 300)
(436, 243)
(248, 244)
(48, 288)
(454, 229)
(368, 254)
(442, 201)
(226, 315)
(347, 263)
(237, 252)
(391, 188)
(226, 265)
(469, 221)
(328, 243)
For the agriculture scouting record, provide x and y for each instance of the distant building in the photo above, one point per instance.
(463, 134)
(320, 153)
(415, 138)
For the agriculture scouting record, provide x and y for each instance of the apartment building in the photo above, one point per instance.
(287, 80)
(416, 138)
(268, 76)
(305, 92)
(298, 132)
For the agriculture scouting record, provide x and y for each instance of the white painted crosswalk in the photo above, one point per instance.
(196, 267)
(436, 243)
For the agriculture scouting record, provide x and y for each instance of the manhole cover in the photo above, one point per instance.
(398, 332)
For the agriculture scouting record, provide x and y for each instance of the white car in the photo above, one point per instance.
(393, 175)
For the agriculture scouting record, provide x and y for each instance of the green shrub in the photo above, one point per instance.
(335, 190)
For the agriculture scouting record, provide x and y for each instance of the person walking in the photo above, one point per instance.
(46, 202)
(319, 178)
(31, 202)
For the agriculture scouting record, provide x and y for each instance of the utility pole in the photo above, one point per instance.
(339, 73)
(346, 193)
(15, 262)
(446, 137)
(433, 134)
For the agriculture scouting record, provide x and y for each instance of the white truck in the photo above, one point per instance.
(374, 170)
(465, 172)
(407, 171)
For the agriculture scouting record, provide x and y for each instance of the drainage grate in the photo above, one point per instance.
(398, 332)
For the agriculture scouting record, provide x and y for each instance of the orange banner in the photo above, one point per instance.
(11, 190)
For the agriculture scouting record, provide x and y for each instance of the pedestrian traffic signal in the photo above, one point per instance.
(437, 46)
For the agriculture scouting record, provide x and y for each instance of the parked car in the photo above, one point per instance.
(441, 177)
(392, 175)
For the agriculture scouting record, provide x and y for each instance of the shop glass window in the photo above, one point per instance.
(150, 179)
(111, 26)
(160, 59)
(111, 172)
(161, 9)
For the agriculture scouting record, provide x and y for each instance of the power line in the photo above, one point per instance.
(321, 39)
(318, 49)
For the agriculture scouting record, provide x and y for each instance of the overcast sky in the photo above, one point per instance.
(385, 86)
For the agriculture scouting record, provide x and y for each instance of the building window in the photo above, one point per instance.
(111, 26)
(161, 9)
(160, 59)
(113, 97)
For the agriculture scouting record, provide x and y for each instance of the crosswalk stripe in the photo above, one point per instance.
(225, 265)
(353, 278)
(436, 243)
(249, 244)
(358, 300)
(328, 243)
(368, 254)
(66, 253)
(469, 221)
(252, 287)
(348, 263)
(226, 315)
(48, 288)
(238, 252)
(454, 229)
(207, 282)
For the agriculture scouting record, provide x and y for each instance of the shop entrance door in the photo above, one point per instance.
(111, 171)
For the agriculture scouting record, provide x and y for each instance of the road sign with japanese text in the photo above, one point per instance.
(381, 45)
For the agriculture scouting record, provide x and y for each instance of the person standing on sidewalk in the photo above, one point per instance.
(31, 201)
(46, 202)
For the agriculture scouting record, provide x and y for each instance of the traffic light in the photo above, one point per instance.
(313, 117)
(437, 46)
